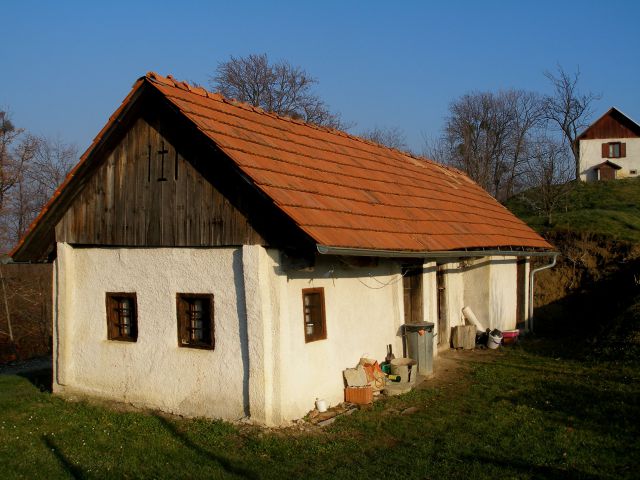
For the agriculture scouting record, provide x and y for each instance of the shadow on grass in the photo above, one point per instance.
(41, 379)
(536, 471)
(607, 411)
(73, 470)
(577, 326)
(222, 461)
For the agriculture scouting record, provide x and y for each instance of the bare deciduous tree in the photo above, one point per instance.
(549, 169)
(9, 167)
(487, 136)
(390, 136)
(31, 168)
(276, 87)
(569, 109)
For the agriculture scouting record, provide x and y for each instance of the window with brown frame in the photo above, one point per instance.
(614, 150)
(195, 320)
(122, 316)
(315, 325)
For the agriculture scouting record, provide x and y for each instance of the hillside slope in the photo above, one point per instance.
(609, 209)
(593, 293)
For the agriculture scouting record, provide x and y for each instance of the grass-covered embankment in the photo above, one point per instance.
(610, 209)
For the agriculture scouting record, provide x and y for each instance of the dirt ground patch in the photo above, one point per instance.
(451, 366)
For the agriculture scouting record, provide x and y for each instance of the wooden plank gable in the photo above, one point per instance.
(146, 193)
(613, 124)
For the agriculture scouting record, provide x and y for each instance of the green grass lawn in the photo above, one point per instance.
(610, 209)
(528, 414)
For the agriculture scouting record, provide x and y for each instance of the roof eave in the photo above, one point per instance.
(493, 252)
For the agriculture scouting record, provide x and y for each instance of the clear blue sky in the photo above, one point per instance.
(65, 66)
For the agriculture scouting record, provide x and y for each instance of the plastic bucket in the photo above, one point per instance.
(494, 341)
(403, 368)
(510, 336)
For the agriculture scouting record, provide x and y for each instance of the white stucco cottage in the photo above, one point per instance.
(213, 259)
(610, 148)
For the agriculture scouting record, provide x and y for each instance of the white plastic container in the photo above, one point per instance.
(494, 341)
(321, 405)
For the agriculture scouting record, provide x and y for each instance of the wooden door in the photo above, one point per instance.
(521, 293)
(443, 333)
(607, 173)
(412, 288)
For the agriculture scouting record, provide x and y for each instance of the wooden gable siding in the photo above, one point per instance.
(613, 125)
(132, 199)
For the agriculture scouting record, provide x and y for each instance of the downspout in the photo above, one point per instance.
(529, 322)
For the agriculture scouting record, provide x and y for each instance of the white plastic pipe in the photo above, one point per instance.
(471, 318)
(529, 321)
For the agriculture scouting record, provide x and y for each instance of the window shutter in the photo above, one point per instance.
(605, 150)
(623, 149)
(183, 322)
(111, 318)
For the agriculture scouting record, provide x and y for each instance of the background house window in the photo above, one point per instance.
(195, 320)
(122, 317)
(633, 172)
(315, 327)
(614, 150)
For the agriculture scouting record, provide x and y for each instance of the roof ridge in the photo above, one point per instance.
(170, 81)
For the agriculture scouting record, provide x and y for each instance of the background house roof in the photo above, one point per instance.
(612, 124)
(341, 190)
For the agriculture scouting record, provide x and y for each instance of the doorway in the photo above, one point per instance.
(521, 293)
(443, 331)
(412, 289)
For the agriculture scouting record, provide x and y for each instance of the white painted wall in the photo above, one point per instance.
(476, 276)
(503, 276)
(364, 312)
(153, 371)
(261, 364)
(454, 293)
(488, 285)
(591, 154)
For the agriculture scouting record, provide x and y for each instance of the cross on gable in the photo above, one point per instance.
(162, 152)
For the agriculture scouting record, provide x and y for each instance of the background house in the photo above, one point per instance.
(610, 148)
(213, 259)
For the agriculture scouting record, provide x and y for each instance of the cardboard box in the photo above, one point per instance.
(464, 336)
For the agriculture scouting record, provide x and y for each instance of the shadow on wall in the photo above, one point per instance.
(241, 310)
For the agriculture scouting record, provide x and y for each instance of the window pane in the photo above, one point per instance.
(614, 150)
(313, 314)
(195, 313)
(195, 320)
(122, 322)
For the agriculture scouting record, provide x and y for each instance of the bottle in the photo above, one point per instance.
(390, 356)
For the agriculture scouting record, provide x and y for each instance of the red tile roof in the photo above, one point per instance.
(344, 191)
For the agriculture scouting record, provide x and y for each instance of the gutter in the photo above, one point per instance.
(365, 252)
(529, 322)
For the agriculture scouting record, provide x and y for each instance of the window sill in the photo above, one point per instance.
(197, 346)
